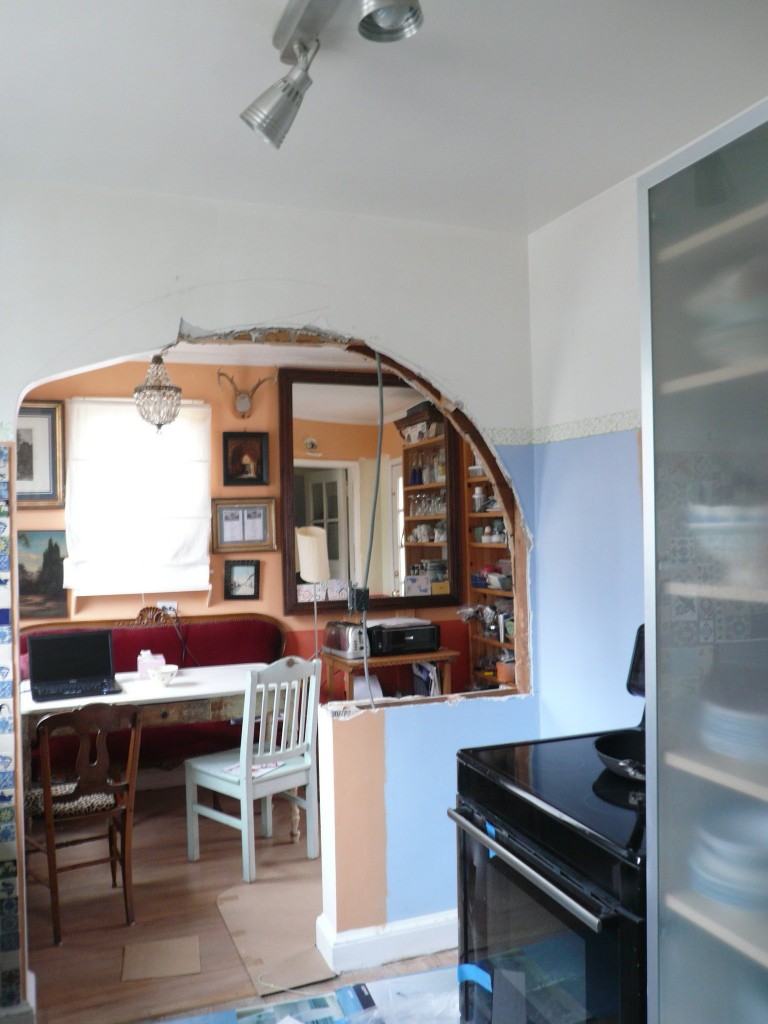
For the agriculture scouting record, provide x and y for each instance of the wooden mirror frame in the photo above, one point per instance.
(287, 377)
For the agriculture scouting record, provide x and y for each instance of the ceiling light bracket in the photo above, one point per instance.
(300, 25)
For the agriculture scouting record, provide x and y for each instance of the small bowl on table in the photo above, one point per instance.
(163, 675)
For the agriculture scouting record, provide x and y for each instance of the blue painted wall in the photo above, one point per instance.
(420, 751)
(586, 572)
(582, 501)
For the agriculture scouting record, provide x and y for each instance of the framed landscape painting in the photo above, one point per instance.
(41, 556)
(241, 580)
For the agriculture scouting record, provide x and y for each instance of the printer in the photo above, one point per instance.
(402, 636)
(382, 637)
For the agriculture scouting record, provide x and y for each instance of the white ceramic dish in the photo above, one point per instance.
(163, 675)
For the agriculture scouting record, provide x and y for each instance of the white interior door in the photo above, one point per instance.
(326, 504)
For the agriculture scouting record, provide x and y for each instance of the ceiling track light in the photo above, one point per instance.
(386, 21)
(297, 38)
(272, 114)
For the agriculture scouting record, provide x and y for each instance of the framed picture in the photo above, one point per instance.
(243, 525)
(41, 556)
(246, 459)
(40, 455)
(241, 580)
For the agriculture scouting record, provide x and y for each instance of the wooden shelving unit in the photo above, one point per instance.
(426, 506)
(485, 646)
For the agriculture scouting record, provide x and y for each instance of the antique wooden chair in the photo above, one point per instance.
(283, 699)
(92, 790)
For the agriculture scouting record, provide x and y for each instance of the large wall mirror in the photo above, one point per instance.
(328, 456)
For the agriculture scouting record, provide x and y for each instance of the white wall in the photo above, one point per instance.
(585, 311)
(586, 563)
(89, 276)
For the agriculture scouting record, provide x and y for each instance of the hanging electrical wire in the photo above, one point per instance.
(372, 526)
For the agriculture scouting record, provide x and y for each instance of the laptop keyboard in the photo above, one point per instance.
(77, 688)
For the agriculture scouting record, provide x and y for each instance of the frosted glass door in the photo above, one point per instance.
(709, 302)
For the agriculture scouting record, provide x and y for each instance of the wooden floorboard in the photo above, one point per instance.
(81, 980)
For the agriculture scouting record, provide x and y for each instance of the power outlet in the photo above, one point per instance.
(169, 606)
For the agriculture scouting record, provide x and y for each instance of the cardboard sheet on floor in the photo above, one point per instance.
(167, 958)
(275, 938)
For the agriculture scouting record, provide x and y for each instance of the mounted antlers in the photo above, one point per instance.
(243, 402)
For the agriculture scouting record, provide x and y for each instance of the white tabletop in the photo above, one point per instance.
(190, 684)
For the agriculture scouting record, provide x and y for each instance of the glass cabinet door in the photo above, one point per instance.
(709, 325)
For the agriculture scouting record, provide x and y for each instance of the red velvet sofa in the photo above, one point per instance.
(186, 642)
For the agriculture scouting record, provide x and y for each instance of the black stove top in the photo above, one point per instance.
(563, 781)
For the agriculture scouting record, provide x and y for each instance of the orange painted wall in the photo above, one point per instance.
(345, 441)
(196, 382)
(360, 821)
(340, 441)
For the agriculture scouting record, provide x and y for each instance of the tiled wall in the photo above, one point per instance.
(10, 945)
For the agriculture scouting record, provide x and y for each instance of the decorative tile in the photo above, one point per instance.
(10, 987)
(9, 941)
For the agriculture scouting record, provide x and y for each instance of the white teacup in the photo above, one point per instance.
(162, 674)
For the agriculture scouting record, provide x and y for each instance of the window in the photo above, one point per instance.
(138, 501)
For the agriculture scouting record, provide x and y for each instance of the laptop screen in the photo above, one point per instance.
(67, 656)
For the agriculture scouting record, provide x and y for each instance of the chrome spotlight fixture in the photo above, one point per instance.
(386, 21)
(157, 399)
(272, 113)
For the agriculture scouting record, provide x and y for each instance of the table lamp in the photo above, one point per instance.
(312, 546)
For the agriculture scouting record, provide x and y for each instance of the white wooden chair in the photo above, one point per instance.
(283, 699)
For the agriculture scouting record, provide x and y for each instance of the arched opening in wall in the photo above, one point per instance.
(218, 368)
(214, 372)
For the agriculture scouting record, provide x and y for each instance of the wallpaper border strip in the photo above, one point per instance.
(610, 423)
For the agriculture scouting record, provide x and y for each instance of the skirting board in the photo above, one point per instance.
(371, 947)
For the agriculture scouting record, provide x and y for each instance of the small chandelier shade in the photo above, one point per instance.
(157, 399)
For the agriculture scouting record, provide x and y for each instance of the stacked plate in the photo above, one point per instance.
(729, 862)
(735, 537)
(735, 732)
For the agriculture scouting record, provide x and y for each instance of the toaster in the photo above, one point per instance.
(346, 640)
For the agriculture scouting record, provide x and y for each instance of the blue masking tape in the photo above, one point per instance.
(492, 833)
(471, 972)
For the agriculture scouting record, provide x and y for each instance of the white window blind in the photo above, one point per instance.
(138, 502)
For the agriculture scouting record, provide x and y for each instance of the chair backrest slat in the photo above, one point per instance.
(93, 770)
(283, 699)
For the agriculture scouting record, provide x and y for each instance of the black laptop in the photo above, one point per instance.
(67, 665)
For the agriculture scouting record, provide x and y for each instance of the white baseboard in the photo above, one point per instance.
(372, 947)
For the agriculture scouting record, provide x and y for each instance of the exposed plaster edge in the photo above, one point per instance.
(345, 710)
(371, 947)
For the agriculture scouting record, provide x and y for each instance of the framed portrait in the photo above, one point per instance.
(246, 459)
(41, 556)
(40, 455)
(243, 525)
(241, 580)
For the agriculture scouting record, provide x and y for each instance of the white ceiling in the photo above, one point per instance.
(499, 114)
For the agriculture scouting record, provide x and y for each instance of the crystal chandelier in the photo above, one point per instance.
(157, 399)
